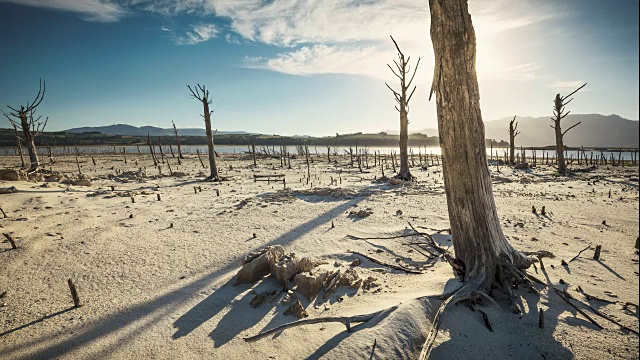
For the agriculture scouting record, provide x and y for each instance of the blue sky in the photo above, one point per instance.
(303, 67)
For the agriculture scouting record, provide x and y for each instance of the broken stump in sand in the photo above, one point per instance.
(74, 294)
(596, 254)
(258, 264)
(297, 310)
(288, 266)
(309, 285)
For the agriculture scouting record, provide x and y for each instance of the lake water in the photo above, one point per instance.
(498, 153)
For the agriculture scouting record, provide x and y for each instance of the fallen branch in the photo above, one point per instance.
(353, 237)
(11, 240)
(603, 315)
(346, 320)
(396, 267)
(581, 251)
(430, 239)
(565, 297)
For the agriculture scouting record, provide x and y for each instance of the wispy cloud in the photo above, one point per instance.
(566, 85)
(522, 72)
(332, 36)
(322, 59)
(199, 33)
(90, 10)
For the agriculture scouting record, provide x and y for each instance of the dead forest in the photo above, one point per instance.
(295, 251)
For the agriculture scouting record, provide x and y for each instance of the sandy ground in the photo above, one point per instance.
(159, 284)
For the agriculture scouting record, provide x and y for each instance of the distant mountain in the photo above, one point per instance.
(595, 130)
(129, 130)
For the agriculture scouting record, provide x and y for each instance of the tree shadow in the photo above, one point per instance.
(338, 338)
(512, 336)
(126, 324)
(610, 270)
(221, 298)
(36, 321)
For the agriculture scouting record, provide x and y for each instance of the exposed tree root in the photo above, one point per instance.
(477, 283)
(405, 177)
(410, 271)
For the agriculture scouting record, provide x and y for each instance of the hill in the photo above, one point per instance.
(129, 130)
(595, 131)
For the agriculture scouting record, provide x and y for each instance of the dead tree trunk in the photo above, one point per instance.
(151, 152)
(19, 145)
(403, 68)
(175, 131)
(202, 94)
(558, 112)
(483, 255)
(513, 132)
(23, 119)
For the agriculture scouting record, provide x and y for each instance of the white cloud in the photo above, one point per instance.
(566, 85)
(90, 10)
(333, 36)
(199, 33)
(352, 37)
(323, 59)
(522, 72)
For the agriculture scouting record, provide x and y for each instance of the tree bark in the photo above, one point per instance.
(512, 141)
(18, 145)
(479, 243)
(562, 165)
(175, 131)
(404, 172)
(30, 140)
(210, 145)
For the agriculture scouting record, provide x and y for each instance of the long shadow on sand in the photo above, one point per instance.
(227, 328)
(127, 324)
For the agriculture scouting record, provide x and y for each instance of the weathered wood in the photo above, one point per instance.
(580, 252)
(11, 240)
(74, 293)
(202, 94)
(481, 247)
(199, 158)
(596, 254)
(340, 319)
(392, 266)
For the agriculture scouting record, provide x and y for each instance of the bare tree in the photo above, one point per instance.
(483, 256)
(558, 112)
(403, 69)
(175, 131)
(202, 95)
(30, 127)
(513, 132)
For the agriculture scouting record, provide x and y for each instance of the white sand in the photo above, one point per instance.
(154, 291)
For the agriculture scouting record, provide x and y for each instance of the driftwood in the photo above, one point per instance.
(8, 190)
(575, 257)
(347, 320)
(11, 240)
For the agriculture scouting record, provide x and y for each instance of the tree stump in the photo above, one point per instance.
(74, 294)
(596, 254)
